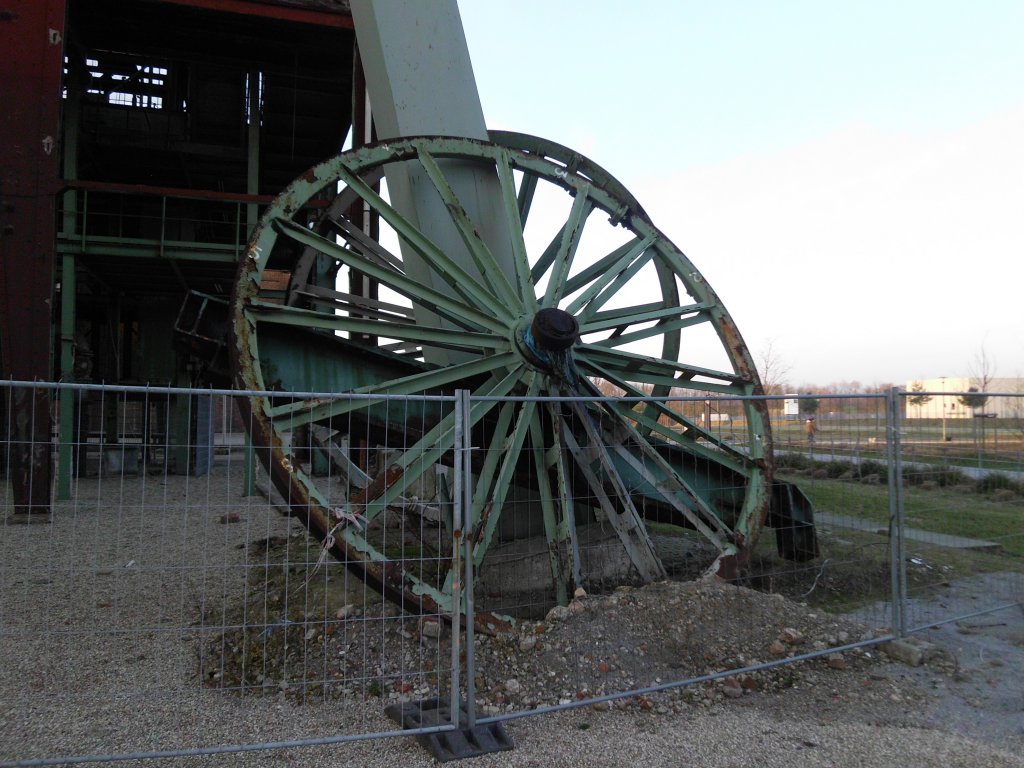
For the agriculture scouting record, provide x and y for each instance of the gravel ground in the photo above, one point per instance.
(105, 612)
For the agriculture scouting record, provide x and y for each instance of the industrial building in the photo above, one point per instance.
(1001, 402)
(141, 138)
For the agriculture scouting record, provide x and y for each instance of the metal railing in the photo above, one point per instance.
(155, 222)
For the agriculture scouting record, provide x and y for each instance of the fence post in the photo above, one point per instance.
(465, 493)
(457, 536)
(897, 555)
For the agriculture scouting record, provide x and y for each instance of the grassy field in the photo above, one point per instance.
(954, 511)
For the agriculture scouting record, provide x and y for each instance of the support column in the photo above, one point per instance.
(404, 48)
(32, 39)
(67, 455)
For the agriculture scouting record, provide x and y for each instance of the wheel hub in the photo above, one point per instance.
(546, 343)
(554, 330)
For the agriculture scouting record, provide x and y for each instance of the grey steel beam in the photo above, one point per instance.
(420, 82)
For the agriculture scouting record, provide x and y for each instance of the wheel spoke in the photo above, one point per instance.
(618, 338)
(582, 205)
(366, 245)
(652, 370)
(603, 271)
(350, 302)
(547, 258)
(566, 501)
(667, 482)
(336, 210)
(489, 268)
(298, 412)
(556, 530)
(717, 449)
(516, 219)
(485, 479)
(624, 518)
(620, 319)
(442, 338)
(490, 499)
(441, 264)
(624, 316)
(524, 199)
(607, 284)
(436, 301)
(353, 475)
(410, 465)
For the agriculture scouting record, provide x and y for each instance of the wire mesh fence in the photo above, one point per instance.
(173, 602)
(205, 583)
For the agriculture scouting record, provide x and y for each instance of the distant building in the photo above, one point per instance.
(947, 392)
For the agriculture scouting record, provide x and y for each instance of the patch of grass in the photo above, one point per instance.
(793, 460)
(870, 467)
(869, 502)
(997, 481)
(946, 510)
(854, 569)
(943, 477)
(403, 551)
(665, 529)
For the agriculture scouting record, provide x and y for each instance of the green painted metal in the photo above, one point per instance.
(457, 207)
(578, 243)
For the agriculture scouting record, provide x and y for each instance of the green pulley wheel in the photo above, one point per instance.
(586, 299)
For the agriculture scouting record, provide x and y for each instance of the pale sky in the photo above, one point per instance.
(848, 176)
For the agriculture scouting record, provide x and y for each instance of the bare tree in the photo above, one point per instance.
(982, 371)
(773, 369)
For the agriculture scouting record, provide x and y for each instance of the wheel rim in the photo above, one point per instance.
(510, 332)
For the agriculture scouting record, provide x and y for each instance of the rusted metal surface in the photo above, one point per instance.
(729, 566)
(376, 488)
(32, 39)
(145, 189)
(322, 13)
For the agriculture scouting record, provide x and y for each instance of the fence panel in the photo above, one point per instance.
(963, 479)
(159, 611)
(169, 608)
(689, 640)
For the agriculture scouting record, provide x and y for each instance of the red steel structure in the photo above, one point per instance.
(31, 35)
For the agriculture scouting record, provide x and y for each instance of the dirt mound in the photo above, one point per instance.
(653, 635)
(629, 639)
